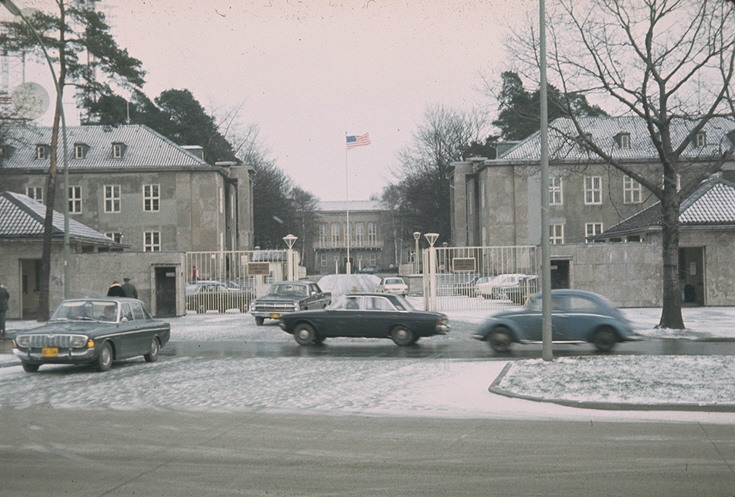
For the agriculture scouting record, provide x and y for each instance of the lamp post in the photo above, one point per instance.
(13, 9)
(431, 238)
(290, 240)
(416, 236)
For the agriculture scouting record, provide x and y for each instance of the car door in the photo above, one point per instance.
(380, 315)
(531, 319)
(346, 320)
(582, 317)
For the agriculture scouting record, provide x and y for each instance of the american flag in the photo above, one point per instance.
(358, 140)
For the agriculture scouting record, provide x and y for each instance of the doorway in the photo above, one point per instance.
(165, 291)
(30, 287)
(560, 273)
(691, 275)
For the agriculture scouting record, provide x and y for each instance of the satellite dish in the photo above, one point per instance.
(30, 100)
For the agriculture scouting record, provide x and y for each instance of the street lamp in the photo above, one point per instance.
(13, 9)
(416, 236)
(290, 240)
(431, 238)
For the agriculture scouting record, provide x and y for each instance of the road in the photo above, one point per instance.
(109, 452)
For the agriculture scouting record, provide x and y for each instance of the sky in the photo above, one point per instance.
(308, 73)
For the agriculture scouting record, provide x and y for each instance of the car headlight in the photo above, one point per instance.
(23, 341)
(296, 306)
(252, 305)
(78, 341)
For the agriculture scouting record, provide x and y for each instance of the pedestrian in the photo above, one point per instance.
(129, 289)
(194, 274)
(4, 297)
(115, 290)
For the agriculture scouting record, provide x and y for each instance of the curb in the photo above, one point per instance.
(606, 406)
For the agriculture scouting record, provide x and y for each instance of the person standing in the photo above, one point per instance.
(194, 274)
(4, 297)
(129, 289)
(115, 290)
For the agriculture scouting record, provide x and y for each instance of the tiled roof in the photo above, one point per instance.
(713, 204)
(354, 205)
(22, 218)
(143, 148)
(603, 130)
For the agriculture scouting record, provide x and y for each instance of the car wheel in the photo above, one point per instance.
(402, 335)
(304, 334)
(30, 368)
(605, 339)
(318, 340)
(259, 321)
(104, 360)
(152, 355)
(500, 339)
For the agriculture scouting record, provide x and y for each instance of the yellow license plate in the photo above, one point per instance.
(275, 315)
(49, 352)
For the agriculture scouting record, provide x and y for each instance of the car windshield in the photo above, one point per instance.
(286, 289)
(87, 310)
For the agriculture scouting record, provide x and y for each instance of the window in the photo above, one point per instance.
(42, 152)
(372, 235)
(373, 260)
(152, 241)
(151, 198)
(631, 191)
(359, 234)
(75, 200)
(112, 198)
(592, 229)
(118, 150)
(80, 150)
(623, 140)
(35, 192)
(592, 190)
(335, 234)
(323, 235)
(701, 139)
(323, 260)
(555, 192)
(116, 237)
(556, 234)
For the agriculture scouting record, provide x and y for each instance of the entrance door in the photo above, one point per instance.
(559, 274)
(165, 292)
(691, 275)
(30, 279)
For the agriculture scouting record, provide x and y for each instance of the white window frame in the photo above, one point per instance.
(74, 197)
(112, 198)
(372, 259)
(323, 238)
(592, 229)
(35, 192)
(115, 235)
(151, 241)
(593, 190)
(359, 234)
(79, 151)
(556, 191)
(41, 152)
(624, 140)
(335, 234)
(372, 235)
(701, 139)
(323, 260)
(632, 191)
(556, 234)
(117, 150)
(151, 198)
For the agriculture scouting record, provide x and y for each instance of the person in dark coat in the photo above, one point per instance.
(115, 290)
(129, 289)
(4, 297)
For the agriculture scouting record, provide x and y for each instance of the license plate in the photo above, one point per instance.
(275, 315)
(49, 352)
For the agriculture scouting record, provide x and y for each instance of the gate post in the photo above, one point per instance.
(431, 237)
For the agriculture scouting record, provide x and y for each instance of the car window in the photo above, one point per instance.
(582, 304)
(557, 303)
(137, 311)
(127, 312)
(379, 304)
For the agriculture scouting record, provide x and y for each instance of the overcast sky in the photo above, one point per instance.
(310, 72)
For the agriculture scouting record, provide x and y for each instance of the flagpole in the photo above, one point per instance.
(348, 267)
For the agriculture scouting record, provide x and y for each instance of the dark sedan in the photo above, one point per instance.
(93, 331)
(368, 315)
(576, 317)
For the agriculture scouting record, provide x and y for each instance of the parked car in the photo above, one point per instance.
(93, 331)
(368, 315)
(210, 295)
(464, 284)
(369, 270)
(576, 317)
(288, 296)
(514, 287)
(392, 284)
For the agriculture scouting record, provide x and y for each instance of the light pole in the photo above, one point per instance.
(416, 236)
(290, 240)
(13, 9)
(431, 238)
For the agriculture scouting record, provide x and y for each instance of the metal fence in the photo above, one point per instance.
(480, 277)
(229, 280)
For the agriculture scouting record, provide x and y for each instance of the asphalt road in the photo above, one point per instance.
(166, 453)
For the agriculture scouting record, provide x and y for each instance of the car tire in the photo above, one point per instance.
(30, 368)
(259, 321)
(402, 336)
(605, 339)
(304, 334)
(152, 355)
(500, 339)
(104, 360)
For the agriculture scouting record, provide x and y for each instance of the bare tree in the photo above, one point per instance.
(668, 62)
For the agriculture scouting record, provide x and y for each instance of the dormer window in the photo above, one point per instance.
(6, 151)
(623, 140)
(42, 152)
(118, 150)
(701, 139)
(80, 150)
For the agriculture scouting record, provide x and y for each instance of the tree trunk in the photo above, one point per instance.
(671, 313)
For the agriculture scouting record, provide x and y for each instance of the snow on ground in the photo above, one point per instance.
(390, 386)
